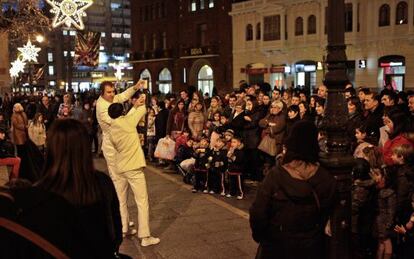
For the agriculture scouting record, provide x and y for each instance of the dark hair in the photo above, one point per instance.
(355, 101)
(351, 90)
(391, 94)
(400, 121)
(361, 169)
(115, 110)
(69, 170)
(294, 108)
(302, 143)
(365, 90)
(105, 84)
(320, 101)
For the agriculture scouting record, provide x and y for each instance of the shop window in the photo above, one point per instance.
(312, 24)
(249, 32)
(299, 26)
(258, 31)
(401, 16)
(165, 81)
(206, 80)
(271, 28)
(384, 15)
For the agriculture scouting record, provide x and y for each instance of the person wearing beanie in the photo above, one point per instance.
(293, 205)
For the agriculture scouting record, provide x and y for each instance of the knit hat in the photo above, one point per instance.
(230, 132)
(302, 142)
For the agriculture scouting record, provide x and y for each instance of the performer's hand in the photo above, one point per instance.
(140, 85)
(140, 101)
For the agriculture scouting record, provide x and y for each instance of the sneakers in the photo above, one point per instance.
(131, 224)
(223, 193)
(240, 197)
(131, 232)
(193, 190)
(148, 241)
(211, 192)
(205, 191)
(228, 195)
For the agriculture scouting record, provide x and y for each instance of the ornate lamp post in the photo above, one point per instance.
(337, 158)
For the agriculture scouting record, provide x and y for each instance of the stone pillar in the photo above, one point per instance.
(5, 79)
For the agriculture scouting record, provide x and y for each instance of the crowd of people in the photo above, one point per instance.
(222, 142)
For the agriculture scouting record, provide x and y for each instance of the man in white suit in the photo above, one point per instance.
(130, 161)
(104, 101)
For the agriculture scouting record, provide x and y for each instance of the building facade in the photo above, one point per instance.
(111, 18)
(283, 42)
(4, 64)
(182, 43)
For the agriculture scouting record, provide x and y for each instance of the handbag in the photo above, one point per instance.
(268, 145)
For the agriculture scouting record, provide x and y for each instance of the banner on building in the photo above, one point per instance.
(87, 49)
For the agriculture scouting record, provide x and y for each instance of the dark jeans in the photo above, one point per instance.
(214, 180)
(94, 141)
(200, 179)
(253, 169)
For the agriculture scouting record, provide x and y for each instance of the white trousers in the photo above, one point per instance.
(136, 180)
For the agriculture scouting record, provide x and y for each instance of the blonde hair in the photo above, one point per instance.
(404, 150)
(278, 104)
(373, 156)
(17, 107)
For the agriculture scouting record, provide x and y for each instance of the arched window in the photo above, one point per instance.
(206, 80)
(165, 81)
(146, 75)
(401, 16)
(258, 31)
(299, 26)
(249, 32)
(312, 24)
(384, 15)
(193, 6)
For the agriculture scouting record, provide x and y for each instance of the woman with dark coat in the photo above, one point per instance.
(292, 117)
(69, 173)
(251, 136)
(177, 120)
(294, 203)
(355, 119)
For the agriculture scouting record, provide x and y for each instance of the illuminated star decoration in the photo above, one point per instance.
(69, 12)
(29, 52)
(17, 67)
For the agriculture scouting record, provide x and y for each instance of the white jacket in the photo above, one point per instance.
(124, 138)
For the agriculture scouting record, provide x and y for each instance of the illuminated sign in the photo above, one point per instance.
(391, 64)
(362, 63)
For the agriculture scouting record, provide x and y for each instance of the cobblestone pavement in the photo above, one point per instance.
(190, 225)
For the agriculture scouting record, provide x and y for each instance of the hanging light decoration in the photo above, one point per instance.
(69, 12)
(29, 52)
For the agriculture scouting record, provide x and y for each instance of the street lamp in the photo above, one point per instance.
(40, 38)
(338, 159)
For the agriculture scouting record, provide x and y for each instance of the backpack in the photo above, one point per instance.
(292, 216)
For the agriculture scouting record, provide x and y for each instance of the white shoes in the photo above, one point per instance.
(148, 241)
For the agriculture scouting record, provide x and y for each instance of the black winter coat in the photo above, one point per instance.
(161, 123)
(277, 217)
(6, 149)
(201, 158)
(251, 132)
(218, 159)
(373, 123)
(237, 161)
